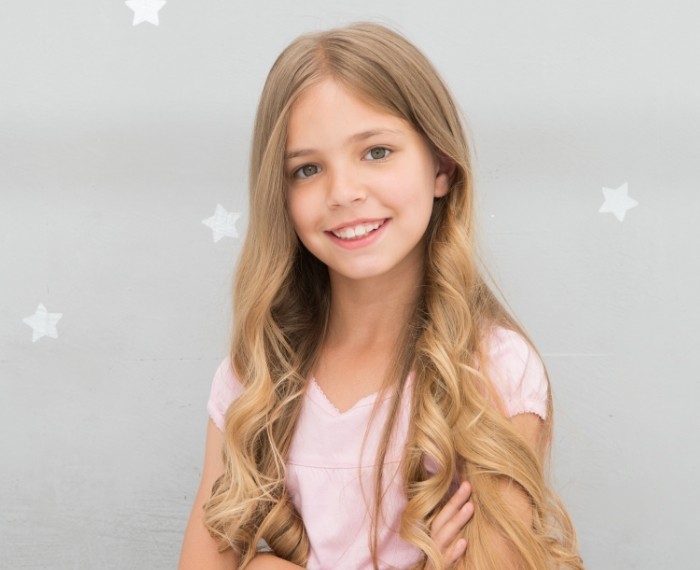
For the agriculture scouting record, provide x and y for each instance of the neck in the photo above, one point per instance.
(371, 313)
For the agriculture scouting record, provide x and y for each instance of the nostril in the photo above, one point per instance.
(346, 195)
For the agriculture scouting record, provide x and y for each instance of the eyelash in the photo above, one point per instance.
(388, 152)
(296, 173)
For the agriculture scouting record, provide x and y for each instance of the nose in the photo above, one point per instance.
(344, 188)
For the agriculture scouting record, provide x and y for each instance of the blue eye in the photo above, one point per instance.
(377, 153)
(306, 171)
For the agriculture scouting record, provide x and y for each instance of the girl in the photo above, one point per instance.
(372, 370)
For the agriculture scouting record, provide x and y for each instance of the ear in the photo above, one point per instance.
(445, 169)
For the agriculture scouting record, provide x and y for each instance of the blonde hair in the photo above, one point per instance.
(281, 308)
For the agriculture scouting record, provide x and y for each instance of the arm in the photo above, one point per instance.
(271, 562)
(199, 549)
(520, 379)
(444, 529)
(530, 427)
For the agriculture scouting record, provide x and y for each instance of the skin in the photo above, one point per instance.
(445, 528)
(344, 179)
(531, 429)
(349, 160)
(200, 551)
(449, 522)
(359, 163)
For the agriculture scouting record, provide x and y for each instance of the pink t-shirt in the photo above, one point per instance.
(328, 468)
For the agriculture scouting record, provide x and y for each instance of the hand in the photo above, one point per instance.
(448, 523)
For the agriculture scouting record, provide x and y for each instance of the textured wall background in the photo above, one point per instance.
(116, 141)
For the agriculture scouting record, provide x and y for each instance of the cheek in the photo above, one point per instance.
(293, 207)
(299, 211)
(422, 192)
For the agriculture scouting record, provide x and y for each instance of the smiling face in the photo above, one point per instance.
(361, 184)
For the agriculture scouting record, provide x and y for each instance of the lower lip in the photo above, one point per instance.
(364, 241)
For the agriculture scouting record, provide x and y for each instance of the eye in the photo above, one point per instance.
(377, 153)
(305, 171)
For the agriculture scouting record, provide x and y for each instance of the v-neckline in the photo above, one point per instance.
(320, 397)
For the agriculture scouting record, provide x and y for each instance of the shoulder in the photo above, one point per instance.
(517, 372)
(225, 388)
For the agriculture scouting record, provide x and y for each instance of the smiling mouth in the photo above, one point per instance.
(358, 231)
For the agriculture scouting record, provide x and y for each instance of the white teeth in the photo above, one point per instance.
(357, 231)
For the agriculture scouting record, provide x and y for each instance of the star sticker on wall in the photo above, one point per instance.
(222, 223)
(617, 201)
(145, 10)
(43, 323)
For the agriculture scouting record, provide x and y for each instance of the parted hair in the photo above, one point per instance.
(281, 300)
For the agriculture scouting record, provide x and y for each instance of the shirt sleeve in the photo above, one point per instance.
(518, 373)
(225, 388)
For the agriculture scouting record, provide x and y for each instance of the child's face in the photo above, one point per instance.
(352, 168)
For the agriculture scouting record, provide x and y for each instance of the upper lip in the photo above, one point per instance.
(357, 223)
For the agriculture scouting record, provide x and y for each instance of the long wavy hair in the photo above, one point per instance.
(281, 301)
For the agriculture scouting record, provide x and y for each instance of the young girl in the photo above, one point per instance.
(372, 372)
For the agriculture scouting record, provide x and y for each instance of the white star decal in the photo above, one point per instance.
(222, 223)
(43, 323)
(145, 10)
(617, 201)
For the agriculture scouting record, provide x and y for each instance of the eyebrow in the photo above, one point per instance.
(354, 138)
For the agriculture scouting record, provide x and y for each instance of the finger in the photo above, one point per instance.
(449, 531)
(456, 512)
(456, 552)
(460, 497)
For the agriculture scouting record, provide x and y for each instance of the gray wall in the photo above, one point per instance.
(116, 141)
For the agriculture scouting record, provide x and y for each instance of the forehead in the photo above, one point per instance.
(330, 106)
